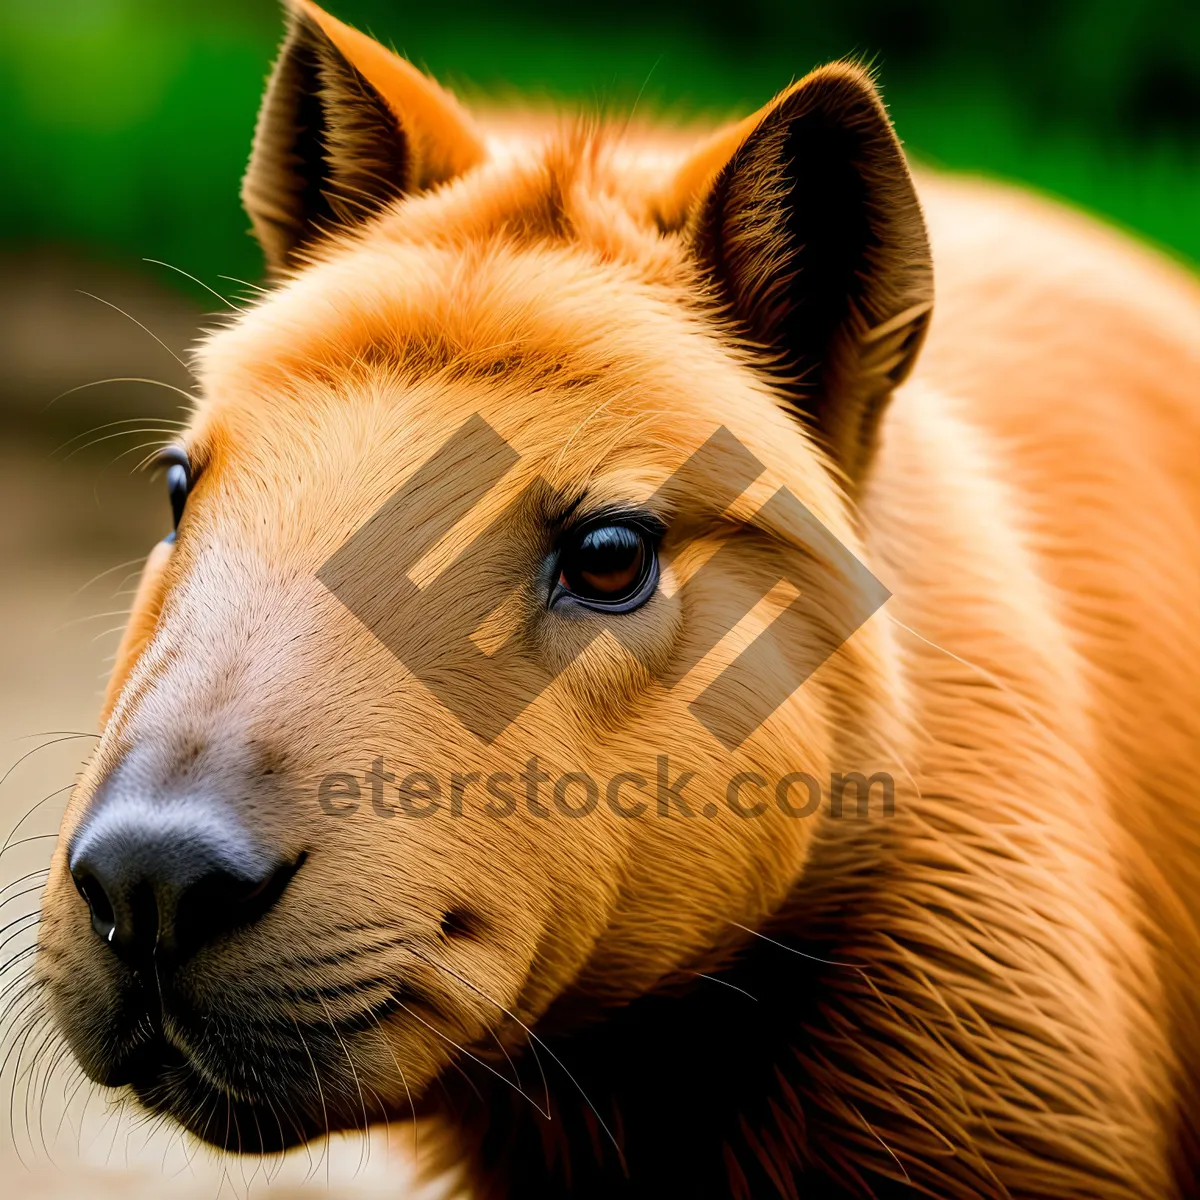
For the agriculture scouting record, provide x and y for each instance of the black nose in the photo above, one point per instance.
(164, 882)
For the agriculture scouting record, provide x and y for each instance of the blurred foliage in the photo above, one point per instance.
(127, 122)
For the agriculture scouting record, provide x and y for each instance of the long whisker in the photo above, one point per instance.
(53, 1047)
(252, 286)
(143, 462)
(404, 1082)
(108, 571)
(320, 1094)
(21, 878)
(283, 1139)
(30, 986)
(87, 433)
(66, 737)
(508, 1057)
(34, 916)
(19, 979)
(120, 379)
(29, 1029)
(189, 1152)
(117, 308)
(88, 1096)
(723, 982)
(36, 837)
(187, 275)
(259, 1161)
(32, 999)
(66, 787)
(69, 1100)
(108, 633)
(544, 1110)
(828, 962)
(1016, 699)
(534, 1037)
(37, 887)
(167, 434)
(512, 1016)
(116, 612)
(120, 1112)
(473, 1057)
(358, 1086)
(50, 733)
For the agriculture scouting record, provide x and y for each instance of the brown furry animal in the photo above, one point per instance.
(987, 993)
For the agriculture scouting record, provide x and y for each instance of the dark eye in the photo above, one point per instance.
(610, 567)
(179, 480)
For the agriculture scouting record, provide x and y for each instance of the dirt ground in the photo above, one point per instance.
(75, 518)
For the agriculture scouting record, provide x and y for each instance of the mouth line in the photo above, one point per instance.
(159, 1060)
(221, 1116)
(173, 1083)
(159, 1047)
(262, 1076)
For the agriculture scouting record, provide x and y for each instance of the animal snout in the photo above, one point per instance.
(162, 881)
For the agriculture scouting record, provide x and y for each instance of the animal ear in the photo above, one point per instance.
(346, 126)
(805, 219)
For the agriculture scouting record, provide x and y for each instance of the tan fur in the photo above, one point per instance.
(1023, 1022)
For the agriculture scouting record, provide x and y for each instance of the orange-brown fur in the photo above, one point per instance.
(994, 991)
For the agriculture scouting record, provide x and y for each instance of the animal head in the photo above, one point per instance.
(507, 523)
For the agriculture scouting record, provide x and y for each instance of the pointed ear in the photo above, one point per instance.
(805, 219)
(345, 127)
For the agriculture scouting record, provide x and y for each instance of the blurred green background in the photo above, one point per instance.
(127, 121)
